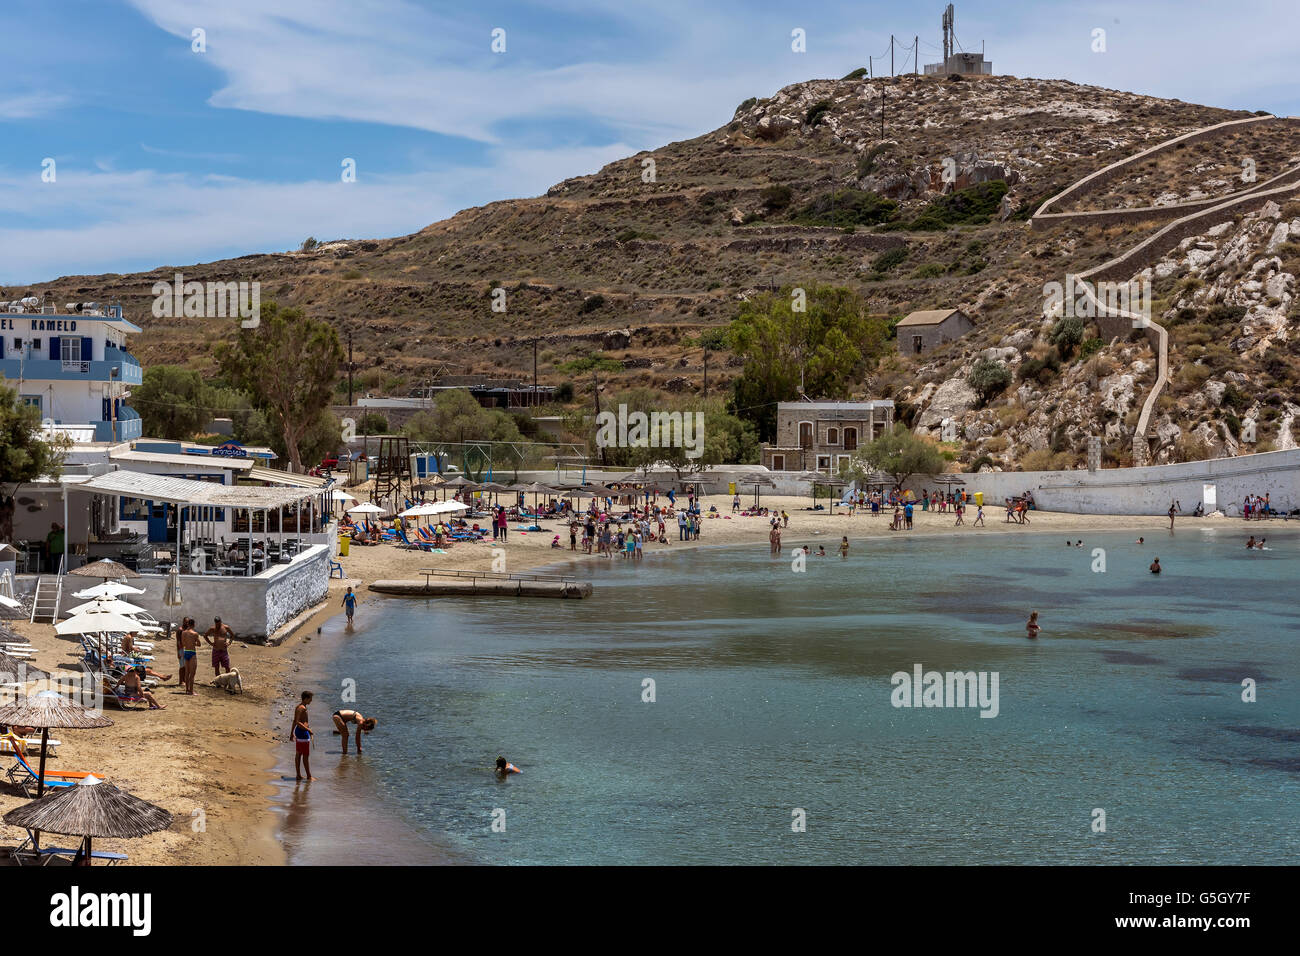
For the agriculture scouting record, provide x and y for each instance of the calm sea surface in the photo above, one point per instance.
(773, 694)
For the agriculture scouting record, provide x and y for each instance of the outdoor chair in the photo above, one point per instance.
(21, 775)
(48, 853)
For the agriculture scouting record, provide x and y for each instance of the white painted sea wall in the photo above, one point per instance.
(1146, 491)
(253, 607)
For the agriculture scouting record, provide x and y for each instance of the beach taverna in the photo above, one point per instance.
(255, 555)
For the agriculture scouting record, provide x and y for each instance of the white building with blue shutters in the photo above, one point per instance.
(72, 365)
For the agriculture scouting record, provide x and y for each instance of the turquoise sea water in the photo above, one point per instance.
(773, 694)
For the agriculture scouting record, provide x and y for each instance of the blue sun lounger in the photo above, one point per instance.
(48, 853)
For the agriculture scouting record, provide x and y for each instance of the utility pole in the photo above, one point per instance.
(595, 377)
(350, 366)
(916, 55)
(891, 54)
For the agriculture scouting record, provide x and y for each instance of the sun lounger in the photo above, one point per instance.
(48, 853)
(29, 744)
(22, 775)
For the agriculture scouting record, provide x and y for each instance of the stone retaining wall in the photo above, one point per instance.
(1104, 175)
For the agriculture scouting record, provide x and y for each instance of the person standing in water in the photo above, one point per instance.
(301, 735)
(1031, 626)
(341, 720)
(844, 547)
(350, 602)
(1155, 566)
(1172, 509)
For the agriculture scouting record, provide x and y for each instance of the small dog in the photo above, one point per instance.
(232, 682)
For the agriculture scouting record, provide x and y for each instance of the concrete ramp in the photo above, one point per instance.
(483, 587)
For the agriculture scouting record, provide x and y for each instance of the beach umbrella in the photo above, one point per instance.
(444, 507)
(109, 589)
(93, 808)
(46, 710)
(101, 622)
(341, 495)
(106, 605)
(418, 511)
(460, 481)
(172, 596)
(105, 568)
(366, 509)
(14, 671)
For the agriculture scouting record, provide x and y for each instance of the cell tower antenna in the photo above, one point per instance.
(948, 33)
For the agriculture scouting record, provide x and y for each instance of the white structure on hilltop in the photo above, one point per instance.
(966, 64)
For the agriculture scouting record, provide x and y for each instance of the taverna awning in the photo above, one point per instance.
(184, 491)
(274, 475)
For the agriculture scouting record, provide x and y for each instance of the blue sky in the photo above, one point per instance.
(165, 156)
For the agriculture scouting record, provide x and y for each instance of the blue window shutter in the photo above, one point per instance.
(54, 347)
(87, 348)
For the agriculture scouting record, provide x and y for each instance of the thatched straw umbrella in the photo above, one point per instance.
(13, 670)
(93, 808)
(105, 568)
(45, 710)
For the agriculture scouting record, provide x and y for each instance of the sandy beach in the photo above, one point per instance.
(208, 758)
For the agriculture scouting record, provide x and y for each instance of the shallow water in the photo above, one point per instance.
(773, 694)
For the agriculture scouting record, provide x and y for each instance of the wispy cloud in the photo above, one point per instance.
(189, 154)
(139, 220)
(20, 106)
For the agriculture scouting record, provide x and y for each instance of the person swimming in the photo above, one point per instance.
(1142, 540)
(506, 769)
(1031, 626)
(1155, 566)
(1251, 543)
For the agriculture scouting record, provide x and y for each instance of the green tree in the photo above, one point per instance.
(172, 402)
(458, 419)
(1066, 335)
(372, 423)
(899, 454)
(829, 345)
(24, 454)
(988, 377)
(707, 435)
(287, 363)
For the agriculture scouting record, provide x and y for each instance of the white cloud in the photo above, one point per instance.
(30, 105)
(129, 221)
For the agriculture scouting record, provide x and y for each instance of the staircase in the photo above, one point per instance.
(45, 602)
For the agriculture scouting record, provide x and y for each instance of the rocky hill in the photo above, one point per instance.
(801, 188)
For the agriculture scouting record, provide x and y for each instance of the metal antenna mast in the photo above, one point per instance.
(948, 34)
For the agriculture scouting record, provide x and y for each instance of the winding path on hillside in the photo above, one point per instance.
(1192, 218)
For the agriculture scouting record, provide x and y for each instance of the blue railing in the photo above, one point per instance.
(56, 370)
